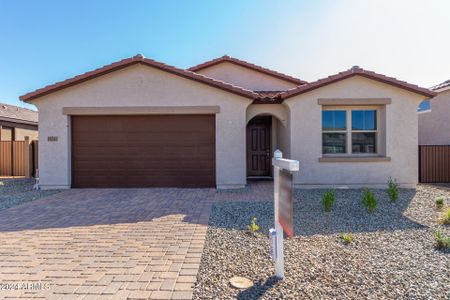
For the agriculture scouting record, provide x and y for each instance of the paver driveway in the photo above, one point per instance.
(106, 243)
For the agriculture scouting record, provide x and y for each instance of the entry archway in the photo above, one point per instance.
(265, 132)
(259, 146)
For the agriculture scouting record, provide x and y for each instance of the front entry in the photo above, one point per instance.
(258, 146)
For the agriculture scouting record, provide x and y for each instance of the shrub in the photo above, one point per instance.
(393, 190)
(439, 202)
(253, 227)
(446, 218)
(328, 200)
(442, 240)
(346, 237)
(369, 200)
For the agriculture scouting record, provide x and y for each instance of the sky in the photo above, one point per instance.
(42, 42)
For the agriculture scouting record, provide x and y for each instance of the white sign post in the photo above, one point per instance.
(279, 163)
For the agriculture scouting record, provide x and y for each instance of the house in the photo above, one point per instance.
(434, 121)
(138, 122)
(16, 123)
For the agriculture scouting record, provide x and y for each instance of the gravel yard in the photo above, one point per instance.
(393, 254)
(15, 191)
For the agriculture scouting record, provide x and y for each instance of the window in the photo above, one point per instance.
(334, 135)
(364, 130)
(425, 105)
(350, 130)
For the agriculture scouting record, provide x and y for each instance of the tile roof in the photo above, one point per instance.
(138, 59)
(248, 65)
(18, 114)
(257, 96)
(353, 72)
(440, 86)
(268, 94)
(268, 97)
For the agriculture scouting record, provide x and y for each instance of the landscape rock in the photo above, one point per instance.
(15, 191)
(393, 254)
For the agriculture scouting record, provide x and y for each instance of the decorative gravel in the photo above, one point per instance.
(393, 254)
(17, 191)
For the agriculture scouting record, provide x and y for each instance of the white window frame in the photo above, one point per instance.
(349, 131)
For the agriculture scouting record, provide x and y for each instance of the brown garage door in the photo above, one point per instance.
(143, 151)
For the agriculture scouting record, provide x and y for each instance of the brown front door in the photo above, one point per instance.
(143, 151)
(258, 146)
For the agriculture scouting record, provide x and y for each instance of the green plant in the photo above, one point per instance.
(442, 240)
(369, 200)
(253, 227)
(446, 217)
(328, 200)
(439, 202)
(393, 190)
(346, 237)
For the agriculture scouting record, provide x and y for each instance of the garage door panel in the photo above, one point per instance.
(141, 181)
(157, 160)
(166, 174)
(86, 170)
(172, 139)
(133, 151)
(158, 143)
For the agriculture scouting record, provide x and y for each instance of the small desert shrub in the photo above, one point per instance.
(442, 240)
(328, 200)
(369, 200)
(393, 190)
(439, 202)
(446, 217)
(347, 238)
(253, 227)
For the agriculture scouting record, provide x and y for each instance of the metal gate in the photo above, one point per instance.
(18, 158)
(434, 163)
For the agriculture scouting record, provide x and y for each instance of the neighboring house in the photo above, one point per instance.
(138, 122)
(434, 120)
(16, 123)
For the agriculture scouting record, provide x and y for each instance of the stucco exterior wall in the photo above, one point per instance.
(298, 127)
(9, 130)
(6, 134)
(284, 139)
(246, 78)
(280, 111)
(401, 137)
(434, 125)
(141, 86)
(21, 133)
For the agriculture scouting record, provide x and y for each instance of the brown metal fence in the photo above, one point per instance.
(18, 158)
(35, 165)
(6, 160)
(434, 163)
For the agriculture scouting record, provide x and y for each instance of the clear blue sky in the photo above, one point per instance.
(47, 41)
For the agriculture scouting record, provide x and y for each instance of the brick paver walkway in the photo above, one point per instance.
(105, 243)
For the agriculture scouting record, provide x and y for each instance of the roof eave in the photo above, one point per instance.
(131, 61)
(70, 82)
(347, 74)
(207, 80)
(421, 91)
(440, 90)
(247, 65)
(18, 121)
